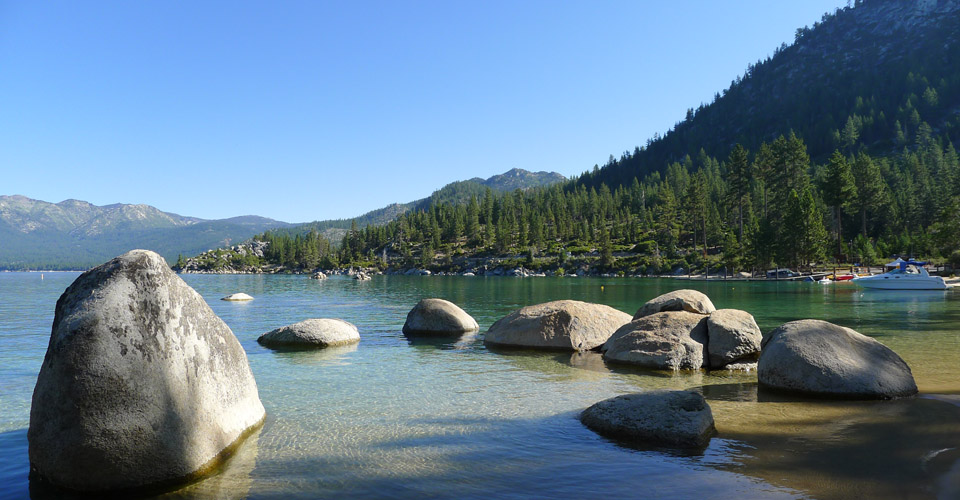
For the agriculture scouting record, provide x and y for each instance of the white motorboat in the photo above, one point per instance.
(907, 275)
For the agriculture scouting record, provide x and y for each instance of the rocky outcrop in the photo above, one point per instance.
(673, 418)
(733, 337)
(438, 317)
(318, 276)
(672, 340)
(819, 358)
(562, 324)
(237, 297)
(316, 332)
(677, 300)
(142, 384)
(362, 276)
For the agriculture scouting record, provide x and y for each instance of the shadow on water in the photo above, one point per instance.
(844, 449)
(548, 457)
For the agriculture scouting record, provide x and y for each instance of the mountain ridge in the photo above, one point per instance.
(453, 192)
(76, 234)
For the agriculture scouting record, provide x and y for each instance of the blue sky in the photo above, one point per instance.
(314, 110)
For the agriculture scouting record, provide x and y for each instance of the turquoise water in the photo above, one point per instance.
(399, 418)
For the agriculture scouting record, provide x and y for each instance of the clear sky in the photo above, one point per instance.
(314, 110)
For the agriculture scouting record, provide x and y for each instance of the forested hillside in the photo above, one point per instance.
(453, 193)
(837, 148)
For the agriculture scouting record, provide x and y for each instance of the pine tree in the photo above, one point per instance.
(838, 189)
(739, 175)
(871, 188)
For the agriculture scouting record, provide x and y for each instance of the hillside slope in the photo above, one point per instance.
(867, 75)
(455, 192)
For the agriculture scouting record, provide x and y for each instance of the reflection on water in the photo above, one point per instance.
(333, 355)
(417, 417)
(452, 342)
(231, 482)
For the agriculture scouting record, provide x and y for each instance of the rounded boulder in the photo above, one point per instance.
(822, 359)
(681, 419)
(672, 340)
(316, 332)
(734, 336)
(562, 324)
(142, 384)
(438, 317)
(677, 300)
(237, 297)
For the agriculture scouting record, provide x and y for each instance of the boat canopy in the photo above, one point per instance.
(895, 263)
(911, 262)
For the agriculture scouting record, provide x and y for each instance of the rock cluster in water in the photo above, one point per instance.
(819, 358)
(682, 330)
(315, 332)
(438, 317)
(142, 384)
(562, 324)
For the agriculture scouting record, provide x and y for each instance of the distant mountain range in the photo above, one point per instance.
(453, 193)
(75, 234)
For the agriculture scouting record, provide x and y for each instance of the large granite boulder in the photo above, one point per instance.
(677, 300)
(734, 336)
(673, 418)
(561, 324)
(820, 358)
(142, 384)
(316, 332)
(438, 317)
(672, 340)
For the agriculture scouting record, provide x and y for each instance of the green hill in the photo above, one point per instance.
(838, 147)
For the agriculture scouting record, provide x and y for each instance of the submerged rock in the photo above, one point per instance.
(820, 358)
(672, 340)
(142, 384)
(734, 337)
(316, 332)
(562, 324)
(237, 297)
(438, 317)
(673, 418)
(677, 300)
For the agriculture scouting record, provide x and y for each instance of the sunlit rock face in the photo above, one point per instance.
(438, 317)
(142, 384)
(671, 340)
(314, 332)
(822, 359)
(677, 300)
(561, 324)
(733, 337)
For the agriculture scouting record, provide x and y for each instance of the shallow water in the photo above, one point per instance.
(399, 418)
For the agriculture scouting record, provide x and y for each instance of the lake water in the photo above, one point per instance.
(399, 418)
